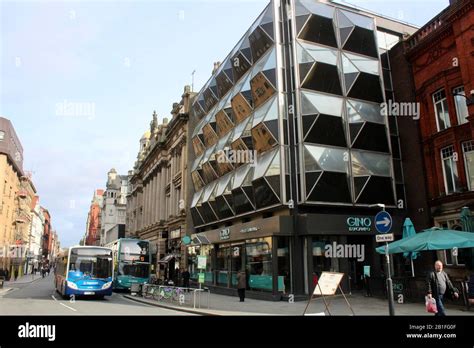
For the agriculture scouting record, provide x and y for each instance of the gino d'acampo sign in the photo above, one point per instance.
(359, 224)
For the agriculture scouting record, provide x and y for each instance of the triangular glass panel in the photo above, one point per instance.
(301, 21)
(323, 78)
(260, 43)
(359, 20)
(349, 79)
(262, 111)
(322, 103)
(302, 55)
(308, 121)
(271, 76)
(364, 64)
(305, 68)
(310, 163)
(320, 30)
(354, 130)
(300, 10)
(267, 15)
(318, 8)
(229, 70)
(343, 21)
(274, 182)
(247, 54)
(268, 29)
(344, 33)
(311, 180)
(263, 163)
(272, 126)
(320, 53)
(308, 107)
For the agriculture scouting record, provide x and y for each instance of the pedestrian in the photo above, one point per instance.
(16, 274)
(43, 272)
(7, 274)
(186, 276)
(241, 284)
(470, 290)
(438, 285)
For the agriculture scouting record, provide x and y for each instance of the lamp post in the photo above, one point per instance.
(391, 303)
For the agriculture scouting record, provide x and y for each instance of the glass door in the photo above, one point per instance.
(237, 262)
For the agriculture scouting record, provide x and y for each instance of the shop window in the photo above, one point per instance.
(283, 254)
(259, 264)
(441, 110)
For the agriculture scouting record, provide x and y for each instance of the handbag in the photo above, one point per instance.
(430, 304)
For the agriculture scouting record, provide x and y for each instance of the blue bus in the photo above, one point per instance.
(84, 270)
(132, 262)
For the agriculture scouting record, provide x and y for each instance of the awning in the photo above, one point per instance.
(167, 258)
(200, 240)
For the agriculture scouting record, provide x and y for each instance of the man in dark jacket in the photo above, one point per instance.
(438, 284)
(186, 275)
(241, 285)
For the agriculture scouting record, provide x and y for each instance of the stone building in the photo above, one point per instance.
(157, 200)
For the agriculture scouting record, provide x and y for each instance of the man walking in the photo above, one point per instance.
(241, 285)
(186, 275)
(438, 283)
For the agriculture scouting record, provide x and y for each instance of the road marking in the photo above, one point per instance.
(62, 304)
(72, 309)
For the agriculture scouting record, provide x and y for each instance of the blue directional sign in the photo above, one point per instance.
(383, 222)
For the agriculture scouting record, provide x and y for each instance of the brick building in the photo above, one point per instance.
(441, 58)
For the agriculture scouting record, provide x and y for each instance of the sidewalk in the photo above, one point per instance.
(22, 280)
(228, 305)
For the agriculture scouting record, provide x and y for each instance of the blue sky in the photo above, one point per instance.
(124, 58)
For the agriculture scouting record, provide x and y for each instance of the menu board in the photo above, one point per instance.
(328, 283)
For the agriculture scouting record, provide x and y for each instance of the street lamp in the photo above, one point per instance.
(469, 101)
(391, 303)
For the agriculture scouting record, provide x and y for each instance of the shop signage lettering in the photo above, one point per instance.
(249, 229)
(175, 233)
(225, 234)
(359, 224)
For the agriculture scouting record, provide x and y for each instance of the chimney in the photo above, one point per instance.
(216, 66)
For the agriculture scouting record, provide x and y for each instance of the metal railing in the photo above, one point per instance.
(175, 294)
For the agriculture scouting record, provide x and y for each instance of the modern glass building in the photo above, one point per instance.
(291, 149)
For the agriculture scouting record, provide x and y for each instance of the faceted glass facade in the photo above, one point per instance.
(343, 138)
(345, 149)
(237, 140)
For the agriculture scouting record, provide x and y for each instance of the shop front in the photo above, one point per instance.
(261, 248)
(344, 243)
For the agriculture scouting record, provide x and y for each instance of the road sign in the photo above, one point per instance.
(386, 237)
(383, 222)
(201, 278)
(202, 261)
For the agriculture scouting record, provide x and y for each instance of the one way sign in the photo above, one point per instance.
(383, 222)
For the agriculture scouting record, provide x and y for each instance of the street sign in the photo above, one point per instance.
(202, 261)
(382, 238)
(383, 222)
(201, 278)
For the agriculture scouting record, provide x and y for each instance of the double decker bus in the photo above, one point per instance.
(84, 270)
(132, 262)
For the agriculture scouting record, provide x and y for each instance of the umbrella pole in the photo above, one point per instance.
(412, 268)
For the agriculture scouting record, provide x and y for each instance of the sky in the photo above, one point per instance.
(80, 81)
